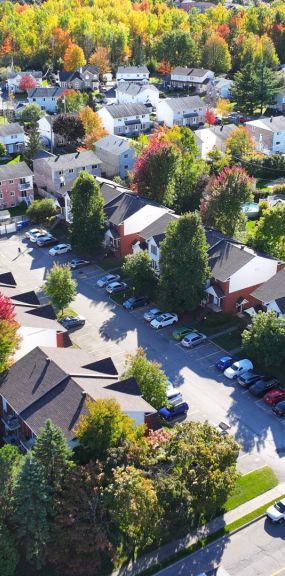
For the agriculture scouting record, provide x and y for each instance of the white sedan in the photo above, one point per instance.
(32, 232)
(36, 235)
(59, 249)
(165, 319)
(238, 368)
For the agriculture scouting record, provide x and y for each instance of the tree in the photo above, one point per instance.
(9, 342)
(60, 286)
(69, 126)
(224, 197)
(90, 140)
(71, 101)
(268, 235)
(240, 144)
(3, 150)
(31, 114)
(137, 268)
(73, 58)
(31, 503)
(164, 68)
(265, 341)
(218, 161)
(34, 143)
(216, 55)
(151, 379)
(40, 211)
(190, 182)
(101, 59)
(155, 169)
(255, 86)
(183, 263)
(52, 452)
(10, 461)
(178, 48)
(26, 83)
(105, 426)
(223, 107)
(87, 229)
(134, 507)
(9, 557)
(210, 117)
(7, 309)
(90, 120)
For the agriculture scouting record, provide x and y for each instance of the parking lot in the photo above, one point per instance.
(111, 330)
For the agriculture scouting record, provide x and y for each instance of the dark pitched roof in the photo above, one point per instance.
(158, 227)
(8, 279)
(125, 110)
(89, 68)
(214, 236)
(48, 92)
(110, 193)
(273, 289)
(132, 70)
(281, 304)
(158, 238)
(183, 71)
(226, 258)
(18, 170)
(125, 206)
(8, 129)
(25, 298)
(68, 76)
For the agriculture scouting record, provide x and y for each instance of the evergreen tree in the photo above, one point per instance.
(183, 263)
(10, 460)
(34, 142)
(9, 556)
(31, 503)
(255, 86)
(88, 213)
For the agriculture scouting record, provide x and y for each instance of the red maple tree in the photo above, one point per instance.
(26, 83)
(210, 117)
(7, 309)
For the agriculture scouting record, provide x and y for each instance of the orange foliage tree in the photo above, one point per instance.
(101, 59)
(73, 57)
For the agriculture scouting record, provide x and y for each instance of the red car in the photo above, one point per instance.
(274, 396)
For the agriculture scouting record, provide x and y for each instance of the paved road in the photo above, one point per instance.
(110, 330)
(258, 550)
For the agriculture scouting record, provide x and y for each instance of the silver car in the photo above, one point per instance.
(151, 314)
(107, 279)
(193, 339)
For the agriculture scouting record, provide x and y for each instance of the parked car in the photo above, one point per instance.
(173, 411)
(151, 314)
(165, 319)
(238, 368)
(107, 279)
(180, 332)
(33, 231)
(37, 235)
(78, 263)
(279, 409)
(274, 396)
(135, 302)
(224, 362)
(175, 399)
(262, 386)
(193, 339)
(248, 378)
(276, 512)
(59, 249)
(223, 428)
(170, 390)
(116, 287)
(72, 322)
(22, 224)
(46, 240)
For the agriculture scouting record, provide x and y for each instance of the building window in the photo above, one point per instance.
(60, 172)
(94, 166)
(125, 155)
(12, 193)
(277, 143)
(1, 195)
(83, 168)
(61, 184)
(11, 181)
(70, 170)
(153, 249)
(126, 167)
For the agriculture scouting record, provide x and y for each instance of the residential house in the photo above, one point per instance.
(45, 98)
(117, 155)
(236, 271)
(49, 138)
(268, 133)
(280, 100)
(196, 79)
(222, 87)
(201, 7)
(125, 119)
(152, 236)
(186, 111)
(275, 199)
(133, 93)
(270, 296)
(12, 136)
(52, 383)
(56, 174)
(132, 74)
(84, 78)
(14, 79)
(213, 136)
(16, 185)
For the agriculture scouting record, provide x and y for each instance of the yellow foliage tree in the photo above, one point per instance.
(91, 121)
(100, 58)
(223, 107)
(73, 57)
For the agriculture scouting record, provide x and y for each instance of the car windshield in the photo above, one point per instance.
(132, 300)
(160, 318)
(235, 367)
(280, 507)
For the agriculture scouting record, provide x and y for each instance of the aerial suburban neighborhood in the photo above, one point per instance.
(142, 288)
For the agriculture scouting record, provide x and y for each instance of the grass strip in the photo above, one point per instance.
(209, 539)
(250, 486)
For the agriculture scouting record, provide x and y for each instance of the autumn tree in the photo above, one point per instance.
(71, 101)
(60, 286)
(164, 68)
(60, 40)
(73, 57)
(223, 107)
(240, 144)
(149, 376)
(210, 117)
(69, 126)
(223, 199)
(183, 263)
(266, 328)
(101, 59)
(9, 338)
(92, 126)
(216, 55)
(87, 229)
(26, 83)
(7, 309)
(137, 267)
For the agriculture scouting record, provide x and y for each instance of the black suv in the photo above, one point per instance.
(136, 302)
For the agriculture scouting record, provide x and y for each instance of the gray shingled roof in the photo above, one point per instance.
(185, 103)
(48, 92)
(184, 71)
(226, 258)
(273, 123)
(8, 129)
(18, 170)
(73, 160)
(273, 289)
(125, 206)
(158, 227)
(114, 144)
(124, 110)
(133, 69)
(110, 193)
(134, 89)
(34, 73)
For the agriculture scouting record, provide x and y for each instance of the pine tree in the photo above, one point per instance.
(31, 502)
(34, 143)
(88, 213)
(255, 86)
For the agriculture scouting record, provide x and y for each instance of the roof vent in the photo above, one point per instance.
(48, 360)
(271, 118)
(83, 393)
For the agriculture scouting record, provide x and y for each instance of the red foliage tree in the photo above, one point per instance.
(224, 31)
(210, 117)
(26, 83)
(7, 46)
(164, 68)
(7, 309)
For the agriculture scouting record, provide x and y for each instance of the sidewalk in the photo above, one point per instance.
(167, 550)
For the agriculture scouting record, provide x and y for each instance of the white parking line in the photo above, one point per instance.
(207, 355)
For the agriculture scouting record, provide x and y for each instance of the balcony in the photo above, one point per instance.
(24, 444)
(11, 422)
(24, 186)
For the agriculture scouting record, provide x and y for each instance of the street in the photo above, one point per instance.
(112, 331)
(257, 550)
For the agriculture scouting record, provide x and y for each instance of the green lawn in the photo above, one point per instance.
(250, 225)
(18, 210)
(15, 160)
(111, 263)
(214, 323)
(230, 340)
(122, 296)
(66, 313)
(251, 485)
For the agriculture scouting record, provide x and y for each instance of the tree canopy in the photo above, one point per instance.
(60, 286)
(265, 341)
(40, 211)
(87, 229)
(137, 268)
(151, 379)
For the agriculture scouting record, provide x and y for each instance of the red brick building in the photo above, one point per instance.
(16, 185)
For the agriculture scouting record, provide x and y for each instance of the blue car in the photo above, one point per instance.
(173, 411)
(224, 362)
(22, 224)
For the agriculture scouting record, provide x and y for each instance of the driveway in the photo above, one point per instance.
(111, 330)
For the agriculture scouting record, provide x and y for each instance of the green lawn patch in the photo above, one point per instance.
(251, 485)
(214, 323)
(15, 160)
(122, 296)
(66, 313)
(250, 225)
(18, 210)
(230, 340)
(111, 263)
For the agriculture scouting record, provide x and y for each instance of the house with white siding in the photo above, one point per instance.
(186, 111)
(197, 79)
(268, 133)
(14, 79)
(12, 136)
(132, 74)
(125, 119)
(133, 93)
(271, 295)
(213, 136)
